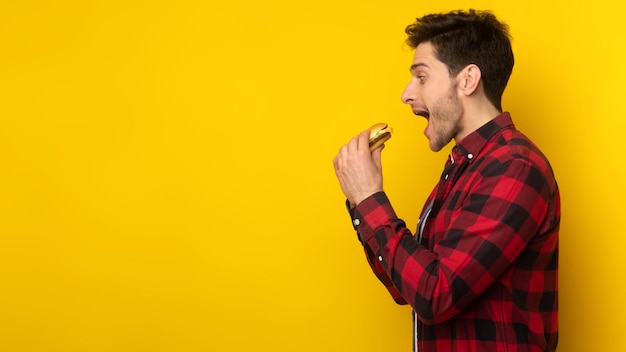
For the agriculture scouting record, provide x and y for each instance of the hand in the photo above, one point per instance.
(359, 172)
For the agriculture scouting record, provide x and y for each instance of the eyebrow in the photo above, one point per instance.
(414, 66)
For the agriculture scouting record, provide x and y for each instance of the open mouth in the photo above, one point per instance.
(422, 113)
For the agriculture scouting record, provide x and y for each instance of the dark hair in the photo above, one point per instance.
(461, 38)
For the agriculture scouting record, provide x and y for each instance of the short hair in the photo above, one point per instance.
(462, 38)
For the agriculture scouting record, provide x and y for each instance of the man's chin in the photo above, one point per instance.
(437, 145)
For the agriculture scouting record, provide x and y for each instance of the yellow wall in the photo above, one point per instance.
(142, 208)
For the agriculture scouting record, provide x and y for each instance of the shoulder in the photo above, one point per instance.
(512, 153)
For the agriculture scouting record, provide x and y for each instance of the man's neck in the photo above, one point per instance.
(475, 117)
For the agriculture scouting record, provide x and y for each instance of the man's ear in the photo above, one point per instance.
(469, 79)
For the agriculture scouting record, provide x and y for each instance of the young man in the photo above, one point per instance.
(481, 270)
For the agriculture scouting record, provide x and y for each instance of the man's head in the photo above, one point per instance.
(461, 65)
(462, 38)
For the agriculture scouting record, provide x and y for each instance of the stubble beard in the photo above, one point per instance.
(447, 113)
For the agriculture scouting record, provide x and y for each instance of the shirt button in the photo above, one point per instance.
(356, 222)
(380, 258)
(470, 156)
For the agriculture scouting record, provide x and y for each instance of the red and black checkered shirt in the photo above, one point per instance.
(483, 274)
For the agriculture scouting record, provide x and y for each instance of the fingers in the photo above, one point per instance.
(341, 157)
(357, 146)
(339, 164)
(359, 143)
(352, 146)
(364, 140)
(376, 156)
(357, 169)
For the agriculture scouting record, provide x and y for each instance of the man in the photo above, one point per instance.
(481, 271)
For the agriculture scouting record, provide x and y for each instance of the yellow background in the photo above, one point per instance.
(143, 208)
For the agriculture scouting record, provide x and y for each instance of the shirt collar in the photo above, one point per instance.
(474, 142)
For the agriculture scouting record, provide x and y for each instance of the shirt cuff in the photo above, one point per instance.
(351, 212)
(357, 213)
(369, 214)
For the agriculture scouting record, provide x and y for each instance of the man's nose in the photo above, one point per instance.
(409, 93)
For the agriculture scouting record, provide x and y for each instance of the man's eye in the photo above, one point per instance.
(421, 78)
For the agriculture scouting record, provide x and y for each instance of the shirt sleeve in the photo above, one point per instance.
(478, 242)
(372, 260)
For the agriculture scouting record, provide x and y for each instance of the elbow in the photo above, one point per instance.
(430, 314)
(400, 301)
(436, 319)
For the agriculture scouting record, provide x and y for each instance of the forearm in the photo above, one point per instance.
(382, 275)
(395, 255)
(467, 252)
(373, 262)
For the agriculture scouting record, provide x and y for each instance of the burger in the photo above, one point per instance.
(379, 134)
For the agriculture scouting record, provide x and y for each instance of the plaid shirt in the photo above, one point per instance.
(483, 274)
